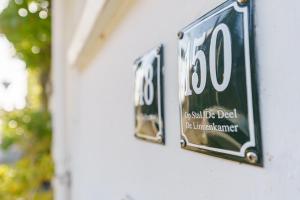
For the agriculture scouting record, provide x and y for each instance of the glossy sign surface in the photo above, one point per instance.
(149, 123)
(218, 95)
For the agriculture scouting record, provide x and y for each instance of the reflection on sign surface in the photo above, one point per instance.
(218, 96)
(149, 96)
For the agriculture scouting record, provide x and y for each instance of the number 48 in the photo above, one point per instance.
(145, 87)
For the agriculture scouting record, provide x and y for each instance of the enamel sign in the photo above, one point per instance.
(149, 119)
(218, 95)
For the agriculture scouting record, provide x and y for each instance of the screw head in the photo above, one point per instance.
(242, 1)
(251, 157)
(180, 35)
(182, 143)
(158, 50)
(160, 140)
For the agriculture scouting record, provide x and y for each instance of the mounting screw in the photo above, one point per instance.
(242, 1)
(182, 142)
(158, 49)
(159, 135)
(180, 35)
(251, 157)
(136, 61)
(160, 140)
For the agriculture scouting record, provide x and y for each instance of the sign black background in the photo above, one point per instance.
(235, 96)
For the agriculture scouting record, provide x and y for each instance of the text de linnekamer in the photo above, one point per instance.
(206, 114)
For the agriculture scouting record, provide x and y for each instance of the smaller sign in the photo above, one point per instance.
(148, 96)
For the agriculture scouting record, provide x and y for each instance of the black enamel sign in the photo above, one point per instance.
(149, 119)
(218, 94)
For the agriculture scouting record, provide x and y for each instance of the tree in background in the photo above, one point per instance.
(27, 24)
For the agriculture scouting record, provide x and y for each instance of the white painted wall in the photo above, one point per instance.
(108, 163)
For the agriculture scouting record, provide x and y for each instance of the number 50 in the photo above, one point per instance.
(201, 58)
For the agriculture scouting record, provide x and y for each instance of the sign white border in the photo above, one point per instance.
(250, 143)
(159, 135)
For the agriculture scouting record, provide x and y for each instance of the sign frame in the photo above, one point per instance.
(159, 56)
(251, 151)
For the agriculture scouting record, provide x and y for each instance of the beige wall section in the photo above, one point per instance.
(59, 150)
(64, 17)
(98, 20)
(108, 163)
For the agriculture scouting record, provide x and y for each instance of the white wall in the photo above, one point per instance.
(108, 163)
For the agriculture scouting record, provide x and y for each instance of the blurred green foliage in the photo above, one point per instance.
(29, 178)
(31, 36)
(28, 32)
(25, 128)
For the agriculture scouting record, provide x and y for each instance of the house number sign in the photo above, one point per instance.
(149, 123)
(217, 85)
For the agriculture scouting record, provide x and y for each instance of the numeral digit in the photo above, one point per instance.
(227, 57)
(148, 87)
(200, 57)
